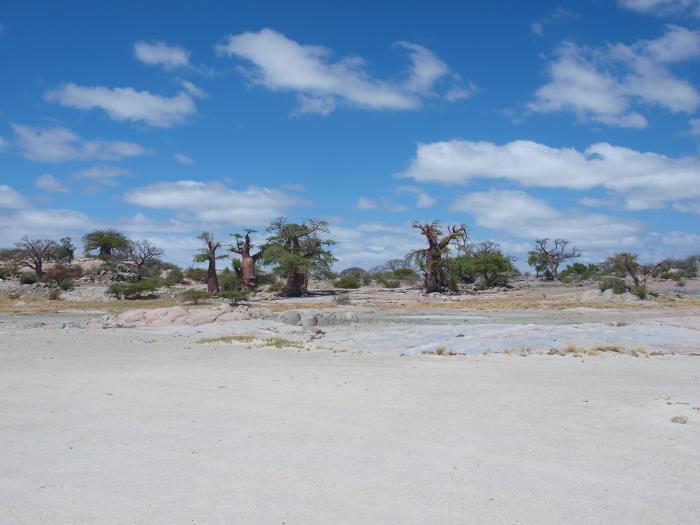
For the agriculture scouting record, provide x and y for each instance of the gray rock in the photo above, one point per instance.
(290, 317)
(679, 419)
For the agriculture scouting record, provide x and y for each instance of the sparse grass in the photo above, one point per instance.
(440, 350)
(281, 342)
(226, 339)
(618, 323)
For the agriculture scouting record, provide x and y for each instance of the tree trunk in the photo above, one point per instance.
(434, 278)
(39, 268)
(296, 286)
(212, 279)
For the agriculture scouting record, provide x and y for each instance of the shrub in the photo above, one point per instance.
(615, 284)
(60, 273)
(7, 271)
(175, 276)
(351, 280)
(195, 296)
(65, 284)
(640, 291)
(228, 280)
(54, 294)
(134, 290)
(27, 278)
(342, 299)
(391, 283)
(234, 296)
(275, 287)
(196, 274)
(405, 274)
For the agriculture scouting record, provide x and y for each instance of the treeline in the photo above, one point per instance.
(292, 253)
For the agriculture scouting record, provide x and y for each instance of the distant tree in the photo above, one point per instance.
(65, 251)
(484, 262)
(627, 264)
(551, 253)
(208, 255)
(297, 250)
(106, 242)
(139, 254)
(243, 247)
(432, 261)
(34, 253)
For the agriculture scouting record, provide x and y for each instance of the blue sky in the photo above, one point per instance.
(520, 119)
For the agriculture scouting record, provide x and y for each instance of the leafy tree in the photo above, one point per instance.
(626, 264)
(579, 271)
(550, 254)
(433, 260)
(106, 242)
(65, 251)
(34, 253)
(297, 250)
(486, 262)
(534, 261)
(243, 248)
(139, 254)
(208, 255)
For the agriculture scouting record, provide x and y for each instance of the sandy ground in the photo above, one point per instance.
(151, 426)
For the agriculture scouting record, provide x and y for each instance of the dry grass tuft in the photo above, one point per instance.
(226, 340)
(281, 342)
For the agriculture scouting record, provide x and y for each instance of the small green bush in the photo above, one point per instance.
(195, 296)
(391, 283)
(640, 291)
(234, 296)
(196, 274)
(65, 284)
(615, 284)
(342, 299)
(228, 280)
(135, 290)
(275, 287)
(349, 281)
(405, 274)
(27, 278)
(175, 276)
(7, 271)
(54, 294)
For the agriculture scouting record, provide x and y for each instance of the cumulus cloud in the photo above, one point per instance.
(183, 159)
(695, 126)
(101, 174)
(518, 213)
(365, 203)
(216, 203)
(158, 53)
(9, 198)
(45, 223)
(371, 244)
(642, 179)
(48, 182)
(607, 85)
(61, 145)
(127, 104)
(661, 7)
(423, 199)
(321, 83)
(537, 27)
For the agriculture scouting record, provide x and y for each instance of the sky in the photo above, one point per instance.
(522, 120)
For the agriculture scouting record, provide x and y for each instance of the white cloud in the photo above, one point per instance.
(661, 7)
(216, 203)
(9, 198)
(423, 199)
(520, 214)
(45, 223)
(101, 174)
(61, 145)
(695, 126)
(537, 27)
(167, 56)
(47, 182)
(282, 64)
(183, 159)
(126, 103)
(365, 203)
(370, 244)
(193, 89)
(642, 179)
(604, 85)
(3, 144)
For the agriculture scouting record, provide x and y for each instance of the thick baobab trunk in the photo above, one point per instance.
(434, 278)
(296, 286)
(247, 264)
(212, 279)
(39, 268)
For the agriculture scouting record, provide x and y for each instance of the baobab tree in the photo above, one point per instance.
(34, 253)
(550, 254)
(432, 260)
(106, 242)
(243, 248)
(296, 250)
(139, 254)
(627, 264)
(208, 255)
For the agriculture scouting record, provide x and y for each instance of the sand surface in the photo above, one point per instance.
(150, 426)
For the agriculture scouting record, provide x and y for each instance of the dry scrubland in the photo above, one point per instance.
(541, 404)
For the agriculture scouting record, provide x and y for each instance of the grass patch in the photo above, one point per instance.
(440, 350)
(281, 342)
(226, 340)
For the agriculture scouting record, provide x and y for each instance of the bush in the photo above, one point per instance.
(342, 299)
(175, 276)
(405, 274)
(134, 290)
(615, 284)
(234, 296)
(640, 291)
(27, 278)
(61, 273)
(228, 280)
(275, 287)
(54, 294)
(196, 274)
(351, 280)
(65, 284)
(391, 283)
(195, 296)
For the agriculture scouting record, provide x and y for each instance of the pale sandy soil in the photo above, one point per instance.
(355, 425)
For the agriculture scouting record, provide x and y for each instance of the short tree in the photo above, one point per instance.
(65, 251)
(105, 242)
(433, 260)
(627, 264)
(243, 248)
(549, 254)
(208, 255)
(34, 253)
(297, 250)
(139, 254)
